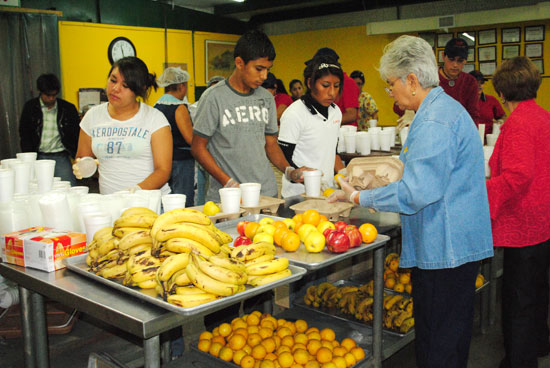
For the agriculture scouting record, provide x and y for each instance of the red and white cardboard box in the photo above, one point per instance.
(41, 247)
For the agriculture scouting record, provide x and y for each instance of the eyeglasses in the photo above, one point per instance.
(388, 90)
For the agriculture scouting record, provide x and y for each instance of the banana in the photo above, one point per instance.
(180, 278)
(113, 255)
(179, 215)
(141, 260)
(268, 267)
(103, 232)
(391, 301)
(184, 245)
(398, 321)
(219, 273)
(105, 264)
(252, 251)
(188, 290)
(364, 304)
(89, 261)
(94, 254)
(264, 258)
(389, 258)
(115, 272)
(148, 284)
(171, 265)
(138, 211)
(226, 262)
(199, 233)
(107, 246)
(226, 249)
(266, 279)
(209, 284)
(224, 237)
(120, 232)
(189, 301)
(138, 248)
(407, 325)
(136, 238)
(92, 245)
(144, 221)
(145, 274)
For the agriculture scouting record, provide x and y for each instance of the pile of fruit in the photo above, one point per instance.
(358, 301)
(181, 255)
(310, 228)
(263, 341)
(394, 280)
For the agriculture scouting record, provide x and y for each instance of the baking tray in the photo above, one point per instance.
(331, 210)
(78, 265)
(220, 216)
(302, 258)
(266, 205)
(336, 313)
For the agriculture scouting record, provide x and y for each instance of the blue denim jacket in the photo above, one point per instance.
(442, 196)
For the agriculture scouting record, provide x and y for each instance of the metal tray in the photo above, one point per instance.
(266, 204)
(220, 216)
(302, 258)
(336, 313)
(78, 265)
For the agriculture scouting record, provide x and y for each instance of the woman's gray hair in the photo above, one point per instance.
(409, 54)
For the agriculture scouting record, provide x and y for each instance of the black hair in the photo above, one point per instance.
(48, 83)
(281, 87)
(292, 82)
(321, 66)
(136, 75)
(254, 45)
(358, 74)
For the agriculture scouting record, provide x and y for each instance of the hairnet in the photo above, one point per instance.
(215, 79)
(172, 75)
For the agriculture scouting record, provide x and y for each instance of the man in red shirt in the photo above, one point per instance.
(348, 102)
(489, 107)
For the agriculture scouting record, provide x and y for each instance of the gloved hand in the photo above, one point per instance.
(347, 193)
(343, 171)
(405, 120)
(76, 169)
(296, 175)
(232, 183)
(133, 188)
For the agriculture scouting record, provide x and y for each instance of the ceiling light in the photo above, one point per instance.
(468, 36)
(239, 1)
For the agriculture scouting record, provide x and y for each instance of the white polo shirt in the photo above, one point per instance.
(315, 138)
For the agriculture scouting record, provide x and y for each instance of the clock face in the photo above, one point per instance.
(119, 48)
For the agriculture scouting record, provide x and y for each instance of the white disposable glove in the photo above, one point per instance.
(231, 183)
(133, 188)
(76, 169)
(405, 120)
(347, 193)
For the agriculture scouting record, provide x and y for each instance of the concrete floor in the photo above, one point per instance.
(89, 336)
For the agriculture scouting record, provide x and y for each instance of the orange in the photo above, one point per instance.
(259, 352)
(280, 225)
(348, 343)
(241, 331)
(279, 234)
(238, 323)
(297, 227)
(301, 325)
(252, 329)
(311, 216)
(225, 329)
(390, 282)
(238, 356)
(312, 329)
(283, 349)
(277, 340)
(338, 176)
(298, 346)
(291, 242)
(394, 264)
(226, 354)
(328, 365)
(323, 355)
(250, 229)
(328, 334)
(312, 364)
(322, 218)
(269, 344)
(285, 359)
(253, 339)
(399, 287)
(327, 344)
(281, 322)
(301, 356)
(237, 342)
(313, 346)
(368, 232)
(247, 349)
(267, 364)
(291, 326)
(298, 218)
(288, 340)
(206, 335)
(204, 345)
(267, 323)
(296, 365)
(253, 320)
(215, 331)
(219, 339)
(215, 348)
(358, 353)
(300, 338)
(335, 343)
(248, 361)
(405, 278)
(409, 288)
(283, 331)
(314, 335)
(350, 359)
(265, 332)
(339, 351)
(270, 356)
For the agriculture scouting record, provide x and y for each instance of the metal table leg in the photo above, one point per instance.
(166, 351)
(151, 352)
(40, 331)
(378, 301)
(26, 322)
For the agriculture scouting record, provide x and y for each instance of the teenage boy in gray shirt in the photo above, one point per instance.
(235, 131)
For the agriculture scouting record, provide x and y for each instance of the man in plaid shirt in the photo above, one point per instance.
(50, 126)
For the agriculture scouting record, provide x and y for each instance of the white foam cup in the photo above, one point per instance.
(496, 128)
(385, 140)
(312, 182)
(350, 128)
(6, 163)
(13, 216)
(481, 130)
(487, 169)
(173, 201)
(80, 189)
(403, 133)
(26, 156)
(87, 166)
(7, 185)
(492, 139)
(250, 194)
(373, 123)
(362, 142)
(22, 176)
(488, 151)
(56, 212)
(231, 199)
(341, 143)
(392, 139)
(349, 139)
(56, 178)
(374, 134)
(44, 170)
(94, 222)
(85, 208)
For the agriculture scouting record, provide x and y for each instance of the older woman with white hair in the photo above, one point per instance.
(442, 200)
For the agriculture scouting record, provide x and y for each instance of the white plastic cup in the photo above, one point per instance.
(392, 139)
(496, 128)
(95, 221)
(488, 151)
(250, 194)
(349, 139)
(56, 212)
(13, 216)
(362, 142)
(403, 133)
(487, 169)
(481, 130)
(231, 199)
(80, 189)
(373, 123)
(56, 178)
(341, 143)
(87, 166)
(6, 163)
(84, 208)
(374, 134)
(350, 128)
(492, 139)
(173, 201)
(44, 170)
(385, 140)
(26, 156)
(22, 176)
(7, 185)
(312, 182)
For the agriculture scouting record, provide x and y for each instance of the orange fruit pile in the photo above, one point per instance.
(260, 340)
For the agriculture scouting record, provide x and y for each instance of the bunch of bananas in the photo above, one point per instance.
(358, 301)
(260, 263)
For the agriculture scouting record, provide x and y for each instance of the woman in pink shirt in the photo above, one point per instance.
(519, 201)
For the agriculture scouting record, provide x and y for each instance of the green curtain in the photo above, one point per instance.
(29, 47)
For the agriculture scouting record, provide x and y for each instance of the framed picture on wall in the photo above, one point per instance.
(219, 58)
(534, 33)
(443, 38)
(540, 64)
(533, 50)
(487, 53)
(468, 68)
(469, 37)
(471, 55)
(429, 37)
(487, 36)
(510, 51)
(510, 35)
(440, 56)
(488, 68)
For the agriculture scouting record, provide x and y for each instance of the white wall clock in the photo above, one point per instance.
(120, 47)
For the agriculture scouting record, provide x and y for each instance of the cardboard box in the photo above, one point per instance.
(41, 247)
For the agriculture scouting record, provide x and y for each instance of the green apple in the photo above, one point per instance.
(290, 223)
(263, 237)
(323, 225)
(266, 221)
(266, 228)
(304, 231)
(315, 242)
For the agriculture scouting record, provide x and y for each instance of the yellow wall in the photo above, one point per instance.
(358, 51)
(84, 63)
(200, 54)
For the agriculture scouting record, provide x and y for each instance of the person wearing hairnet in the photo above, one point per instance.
(172, 105)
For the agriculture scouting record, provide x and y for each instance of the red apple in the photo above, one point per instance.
(338, 242)
(240, 227)
(355, 238)
(340, 225)
(242, 240)
(328, 231)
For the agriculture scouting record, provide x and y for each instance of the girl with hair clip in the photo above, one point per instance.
(309, 127)
(131, 141)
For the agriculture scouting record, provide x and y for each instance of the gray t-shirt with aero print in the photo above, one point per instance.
(236, 125)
